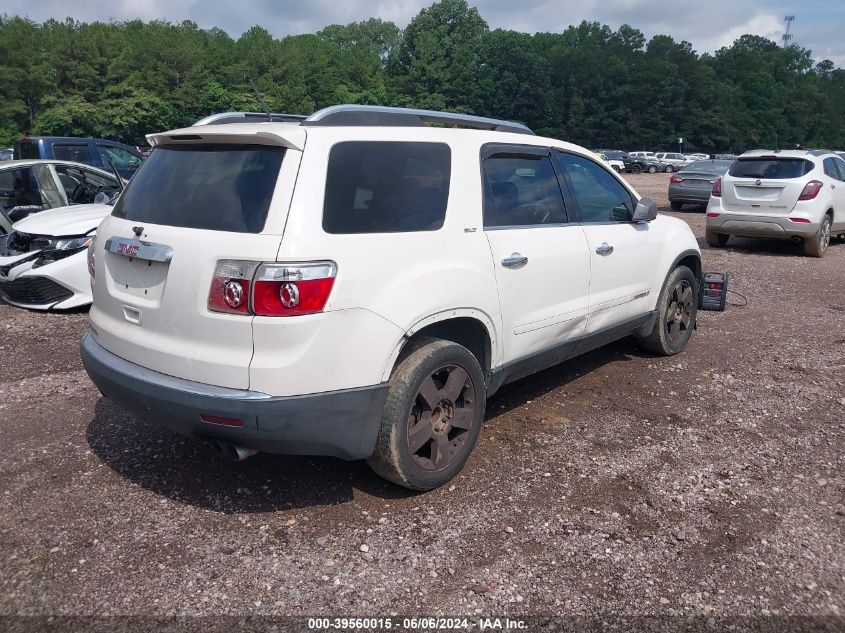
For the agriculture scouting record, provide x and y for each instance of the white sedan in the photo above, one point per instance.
(43, 261)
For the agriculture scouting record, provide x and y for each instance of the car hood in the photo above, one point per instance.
(64, 221)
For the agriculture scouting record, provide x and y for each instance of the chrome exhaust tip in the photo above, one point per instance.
(235, 452)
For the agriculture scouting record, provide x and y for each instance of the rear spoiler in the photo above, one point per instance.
(291, 137)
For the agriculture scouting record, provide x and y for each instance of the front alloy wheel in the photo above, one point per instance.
(677, 308)
(678, 318)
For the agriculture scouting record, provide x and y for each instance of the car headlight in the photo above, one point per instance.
(70, 243)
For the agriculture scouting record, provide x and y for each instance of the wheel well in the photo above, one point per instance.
(693, 263)
(465, 331)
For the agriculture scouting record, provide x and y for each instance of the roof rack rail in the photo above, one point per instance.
(249, 117)
(341, 115)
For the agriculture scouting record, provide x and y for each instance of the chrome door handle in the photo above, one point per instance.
(604, 249)
(514, 261)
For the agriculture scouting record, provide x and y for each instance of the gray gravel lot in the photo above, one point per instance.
(709, 484)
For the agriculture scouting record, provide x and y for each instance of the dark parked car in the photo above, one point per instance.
(639, 164)
(613, 154)
(693, 183)
(89, 151)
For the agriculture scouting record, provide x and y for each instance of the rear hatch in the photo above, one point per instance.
(218, 194)
(765, 184)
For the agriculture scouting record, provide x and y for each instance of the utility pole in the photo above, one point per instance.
(787, 36)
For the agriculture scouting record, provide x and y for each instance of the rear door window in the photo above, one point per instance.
(76, 152)
(217, 187)
(386, 187)
(771, 168)
(830, 169)
(840, 167)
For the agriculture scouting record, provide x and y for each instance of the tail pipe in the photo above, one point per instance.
(235, 452)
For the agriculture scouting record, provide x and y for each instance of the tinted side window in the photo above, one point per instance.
(521, 191)
(117, 156)
(76, 152)
(601, 197)
(840, 166)
(386, 187)
(830, 169)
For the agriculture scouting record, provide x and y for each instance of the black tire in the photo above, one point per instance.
(652, 169)
(676, 205)
(816, 246)
(430, 373)
(714, 239)
(669, 169)
(636, 169)
(677, 309)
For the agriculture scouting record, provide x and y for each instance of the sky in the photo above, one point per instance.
(708, 24)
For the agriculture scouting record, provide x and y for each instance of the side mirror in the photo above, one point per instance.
(646, 210)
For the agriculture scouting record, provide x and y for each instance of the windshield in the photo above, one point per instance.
(219, 187)
(770, 167)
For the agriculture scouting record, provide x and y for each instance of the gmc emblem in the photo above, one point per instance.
(127, 249)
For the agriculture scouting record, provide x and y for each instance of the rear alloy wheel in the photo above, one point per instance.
(669, 169)
(677, 308)
(816, 246)
(432, 418)
(652, 169)
(714, 239)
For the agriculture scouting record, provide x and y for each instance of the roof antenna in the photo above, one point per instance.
(260, 98)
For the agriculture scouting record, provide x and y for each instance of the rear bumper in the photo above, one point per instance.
(688, 194)
(341, 424)
(760, 225)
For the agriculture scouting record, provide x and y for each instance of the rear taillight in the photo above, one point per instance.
(716, 192)
(713, 215)
(676, 180)
(811, 190)
(292, 289)
(92, 244)
(800, 220)
(230, 285)
(242, 287)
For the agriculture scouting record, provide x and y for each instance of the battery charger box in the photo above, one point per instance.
(714, 289)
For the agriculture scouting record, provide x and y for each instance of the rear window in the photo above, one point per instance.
(713, 166)
(26, 150)
(213, 187)
(386, 187)
(775, 168)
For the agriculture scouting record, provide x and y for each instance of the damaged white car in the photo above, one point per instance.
(43, 261)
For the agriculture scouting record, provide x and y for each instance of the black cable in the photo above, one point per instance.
(739, 294)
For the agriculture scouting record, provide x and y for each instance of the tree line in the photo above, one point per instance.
(590, 84)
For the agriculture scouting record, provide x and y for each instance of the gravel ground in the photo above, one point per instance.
(708, 485)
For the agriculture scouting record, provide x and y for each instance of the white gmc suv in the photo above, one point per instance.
(793, 194)
(358, 283)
